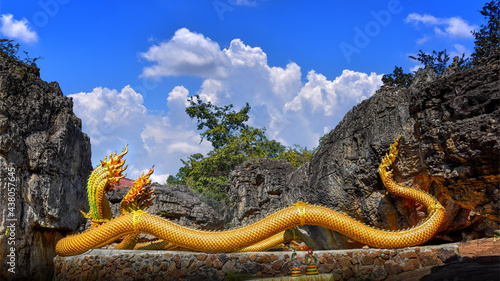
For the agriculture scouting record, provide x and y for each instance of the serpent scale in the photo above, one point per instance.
(270, 228)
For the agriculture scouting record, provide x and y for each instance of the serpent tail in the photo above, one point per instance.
(264, 233)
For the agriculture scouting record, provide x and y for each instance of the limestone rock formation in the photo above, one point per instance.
(450, 148)
(44, 165)
(178, 204)
(256, 188)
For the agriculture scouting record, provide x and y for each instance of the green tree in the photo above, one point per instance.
(323, 139)
(296, 155)
(464, 63)
(435, 60)
(398, 78)
(208, 175)
(487, 39)
(234, 142)
(220, 122)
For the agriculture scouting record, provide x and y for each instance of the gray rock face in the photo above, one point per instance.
(450, 148)
(256, 189)
(178, 204)
(456, 130)
(44, 162)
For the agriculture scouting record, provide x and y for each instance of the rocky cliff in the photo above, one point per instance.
(450, 148)
(44, 165)
(178, 204)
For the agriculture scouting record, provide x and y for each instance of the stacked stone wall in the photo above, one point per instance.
(359, 264)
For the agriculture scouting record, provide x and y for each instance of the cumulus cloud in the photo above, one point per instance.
(114, 118)
(242, 55)
(285, 81)
(178, 98)
(282, 100)
(17, 29)
(454, 27)
(186, 53)
(294, 109)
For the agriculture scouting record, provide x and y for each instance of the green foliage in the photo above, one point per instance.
(487, 41)
(435, 60)
(488, 37)
(464, 63)
(220, 123)
(398, 78)
(9, 50)
(323, 139)
(234, 142)
(175, 180)
(208, 175)
(296, 155)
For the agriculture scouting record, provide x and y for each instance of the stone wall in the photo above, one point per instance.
(360, 264)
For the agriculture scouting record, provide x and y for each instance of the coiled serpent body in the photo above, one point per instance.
(267, 229)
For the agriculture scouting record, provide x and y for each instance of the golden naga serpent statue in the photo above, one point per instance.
(261, 235)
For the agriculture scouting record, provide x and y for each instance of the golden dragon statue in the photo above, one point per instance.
(261, 235)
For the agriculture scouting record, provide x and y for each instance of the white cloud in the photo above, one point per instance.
(285, 82)
(458, 28)
(210, 89)
(293, 109)
(459, 50)
(281, 101)
(17, 29)
(243, 55)
(426, 19)
(416, 67)
(155, 177)
(179, 96)
(162, 179)
(187, 53)
(318, 92)
(423, 40)
(326, 96)
(113, 118)
(454, 27)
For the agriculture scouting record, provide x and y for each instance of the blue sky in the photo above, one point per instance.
(130, 65)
